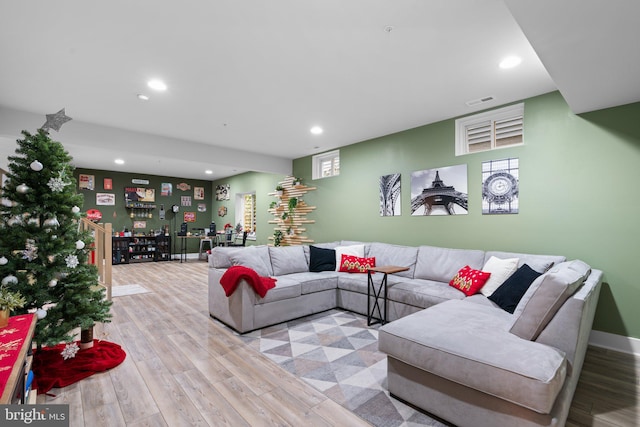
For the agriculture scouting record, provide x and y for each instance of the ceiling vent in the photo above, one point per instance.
(475, 102)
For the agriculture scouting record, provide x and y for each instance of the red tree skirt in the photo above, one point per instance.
(51, 370)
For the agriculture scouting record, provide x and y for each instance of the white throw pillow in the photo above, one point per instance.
(355, 250)
(500, 270)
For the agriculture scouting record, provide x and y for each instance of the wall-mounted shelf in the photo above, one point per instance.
(291, 227)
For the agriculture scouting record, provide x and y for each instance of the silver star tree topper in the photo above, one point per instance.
(55, 121)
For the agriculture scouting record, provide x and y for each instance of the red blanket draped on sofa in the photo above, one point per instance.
(234, 274)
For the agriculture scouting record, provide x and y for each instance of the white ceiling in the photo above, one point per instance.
(247, 79)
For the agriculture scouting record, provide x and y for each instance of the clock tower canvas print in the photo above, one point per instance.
(500, 186)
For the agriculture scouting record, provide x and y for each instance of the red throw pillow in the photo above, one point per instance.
(469, 281)
(354, 264)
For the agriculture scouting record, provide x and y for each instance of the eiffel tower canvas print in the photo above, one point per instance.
(439, 191)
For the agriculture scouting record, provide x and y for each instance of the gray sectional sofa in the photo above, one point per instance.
(462, 358)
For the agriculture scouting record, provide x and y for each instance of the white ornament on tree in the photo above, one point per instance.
(10, 280)
(8, 203)
(22, 188)
(75, 209)
(51, 222)
(53, 283)
(36, 166)
(3, 260)
(41, 313)
(72, 261)
(79, 244)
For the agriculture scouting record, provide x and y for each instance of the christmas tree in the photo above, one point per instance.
(43, 252)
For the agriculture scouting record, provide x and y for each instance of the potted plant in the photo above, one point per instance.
(279, 190)
(297, 181)
(9, 301)
(277, 238)
(272, 205)
(293, 203)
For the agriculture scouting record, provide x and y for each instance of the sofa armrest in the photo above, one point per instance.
(468, 343)
(237, 310)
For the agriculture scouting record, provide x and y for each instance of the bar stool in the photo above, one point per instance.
(203, 250)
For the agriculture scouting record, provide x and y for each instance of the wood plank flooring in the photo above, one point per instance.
(184, 369)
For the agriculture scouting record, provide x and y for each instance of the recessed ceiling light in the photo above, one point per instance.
(208, 171)
(142, 97)
(510, 62)
(316, 130)
(119, 161)
(157, 85)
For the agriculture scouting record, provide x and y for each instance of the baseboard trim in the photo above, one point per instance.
(615, 342)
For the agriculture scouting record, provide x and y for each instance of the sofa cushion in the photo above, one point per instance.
(422, 293)
(468, 344)
(255, 257)
(468, 280)
(355, 250)
(359, 282)
(286, 287)
(539, 263)
(508, 295)
(545, 297)
(315, 282)
(321, 259)
(354, 264)
(287, 260)
(441, 264)
(403, 256)
(500, 270)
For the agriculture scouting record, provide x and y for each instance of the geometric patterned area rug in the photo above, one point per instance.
(124, 290)
(337, 353)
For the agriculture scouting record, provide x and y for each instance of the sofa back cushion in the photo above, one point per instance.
(540, 263)
(403, 256)
(220, 256)
(254, 257)
(545, 297)
(287, 260)
(442, 264)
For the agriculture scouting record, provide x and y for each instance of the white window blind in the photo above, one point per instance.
(493, 129)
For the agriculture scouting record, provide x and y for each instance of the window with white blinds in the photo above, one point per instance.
(326, 164)
(490, 130)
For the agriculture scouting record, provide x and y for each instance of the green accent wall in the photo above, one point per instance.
(119, 216)
(260, 183)
(578, 196)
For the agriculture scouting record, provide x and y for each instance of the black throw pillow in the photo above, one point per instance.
(321, 259)
(509, 294)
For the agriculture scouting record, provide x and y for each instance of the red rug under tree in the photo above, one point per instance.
(51, 370)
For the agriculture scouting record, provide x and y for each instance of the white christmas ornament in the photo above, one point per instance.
(70, 350)
(14, 220)
(75, 209)
(22, 188)
(53, 283)
(3, 260)
(41, 313)
(6, 202)
(31, 250)
(79, 244)
(56, 184)
(36, 166)
(10, 280)
(51, 222)
(72, 261)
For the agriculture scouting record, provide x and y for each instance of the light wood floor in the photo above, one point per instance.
(184, 369)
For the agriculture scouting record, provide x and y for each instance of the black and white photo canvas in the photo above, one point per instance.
(500, 186)
(390, 197)
(440, 191)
